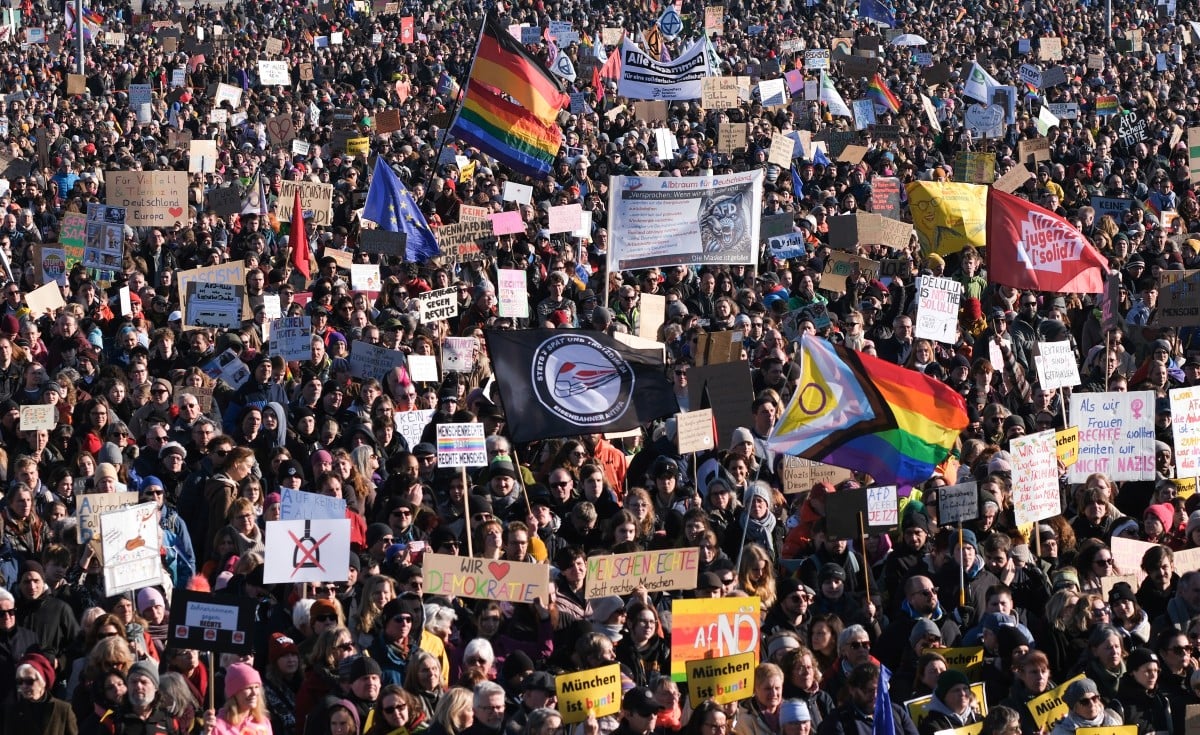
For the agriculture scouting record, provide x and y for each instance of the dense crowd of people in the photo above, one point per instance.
(138, 409)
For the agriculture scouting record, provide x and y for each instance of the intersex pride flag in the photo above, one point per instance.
(1033, 248)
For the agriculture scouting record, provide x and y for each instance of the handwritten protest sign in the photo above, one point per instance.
(1116, 435)
(291, 338)
(1185, 422)
(131, 540)
(458, 354)
(461, 445)
(1035, 477)
(882, 507)
(39, 417)
(1056, 365)
(316, 198)
(937, 309)
(589, 692)
(411, 424)
(371, 361)
(423, 368)
(1048, 708)
(725, 679)
(437, 305)
(694, 431)
(658, 571)
(230, 273)
(296, 505)
(513, 294)
(799, 475)
(957, 503)
(486, 579)
(309, 550)
(150, 198)
(91, 506)
(214, 305)
(711, 628)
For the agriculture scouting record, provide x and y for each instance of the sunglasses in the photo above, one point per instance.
(402, 619)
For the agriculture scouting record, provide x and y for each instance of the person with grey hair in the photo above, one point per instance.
(543, 721)
(489, 706)
(176, 697)
(854, 649)
(1087, 709)
(15, 640)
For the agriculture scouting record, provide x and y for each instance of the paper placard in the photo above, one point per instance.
(461, 445)
(694, 431)
(957, 503)
(734, 619)
(1116, 435)
(485, 579)
(38, 417)
(937, 309)
(589, 692)
(1056, 366)
(371, 361)
(725, 679)
(658, 571)
(799, 475)
(781, 151)
(45, 299)
(1185, 424)
(882, 508)
(91, 506)
(131, 541)
(365, 277)
(1035, 477)
(519, 193)
(436, 305)
(274, 73)
(423, 369)
(565, 218)
(309, 550)
(1066, 444)
(291, 338)
(512, 293)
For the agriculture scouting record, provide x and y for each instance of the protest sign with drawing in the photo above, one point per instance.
(484, 579)
(132, 545)
(1035, 477)
(461, 445)
(1116, 435)
(308, 550)
(711, 628)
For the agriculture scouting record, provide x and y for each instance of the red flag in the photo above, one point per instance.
(612, 67)
(407, 33)
(298, 239)
(1031, 248)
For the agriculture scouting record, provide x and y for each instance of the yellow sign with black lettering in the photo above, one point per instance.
(1049, 708)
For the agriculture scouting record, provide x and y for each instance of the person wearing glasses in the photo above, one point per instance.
(35, 709)
(403, 633)
(854, 649)
(1087, 709)
(333, 646)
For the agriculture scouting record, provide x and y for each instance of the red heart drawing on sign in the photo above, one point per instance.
(499, 569)
(175, 211)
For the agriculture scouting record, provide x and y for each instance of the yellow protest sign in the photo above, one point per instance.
(1114, 730)
(723, 680)
(355, 146)
(1047, 709)
(1067, 443)
(1187, 486)
(592, 691)
(918, 708)
(968, 660)
(973, 729)
(948, 216)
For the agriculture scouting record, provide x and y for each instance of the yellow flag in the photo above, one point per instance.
(948, 216)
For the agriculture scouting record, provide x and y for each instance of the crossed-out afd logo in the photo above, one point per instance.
(580, 380)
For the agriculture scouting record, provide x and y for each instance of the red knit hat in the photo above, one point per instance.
(40, 664)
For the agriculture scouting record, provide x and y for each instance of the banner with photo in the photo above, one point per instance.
(643, 78)
(693, 221)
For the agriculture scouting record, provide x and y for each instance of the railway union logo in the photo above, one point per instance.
(581, 380)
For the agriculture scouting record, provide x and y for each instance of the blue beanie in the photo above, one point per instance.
(150, 481)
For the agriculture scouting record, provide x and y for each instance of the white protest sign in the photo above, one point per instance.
(411, 424)
(513, 293)
(214, 305)
(371, 361)
(937, 309)
(458, 354)
(1185, 424)
(291, 338)
(958, 502)
(310, 550)
(132, 546)
(694, 431)
(519, 193)
(38, 416)
(1035, 477)
(1056, 366)
(365, 277)
(296, 505)
(423, 368)
(461, 445)
(227, 93)
(1116, 435)
(274, 74)
(437, 305)
(882, 508)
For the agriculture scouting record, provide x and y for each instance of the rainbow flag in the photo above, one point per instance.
(502, 63)
(869, 415)
(1106, 104)
(507, 132)
(878, 92)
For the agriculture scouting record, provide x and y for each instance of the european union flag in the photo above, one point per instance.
(797, 185)
(392, 207)
(878, 11)
(885, 723)
(819, 157)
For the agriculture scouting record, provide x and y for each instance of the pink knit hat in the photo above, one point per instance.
(238, 677)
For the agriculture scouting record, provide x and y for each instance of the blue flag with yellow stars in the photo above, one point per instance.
(391, 206)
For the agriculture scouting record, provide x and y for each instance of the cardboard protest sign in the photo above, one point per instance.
(291, 338)
(1035, 477)
(45, 299)
(207, 622)
(1185, 423)
(937, 309)
(485, 579)
(371, 361)
(841, 267)
(309, 550)
(132, 544)
(694, 431)
(1056, 366)
(461, 445)
(224, 200)
(1116, 435)
(90, 507)
(315, 197)
(968, 660)
(1014, 179)
(150, 198)
(38, 417)
(297, 505)
(589, 692)
(725, 679)
(727, 389)
(658, 571)
(956, 503)
(1048, 708)
(1179, 303)
(513, 293)
(799, 475)
(460, 242)
(711, 628)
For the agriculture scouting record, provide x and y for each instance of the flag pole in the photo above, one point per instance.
(459, 100)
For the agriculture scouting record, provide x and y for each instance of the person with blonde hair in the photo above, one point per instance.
(245, 710)
(454, 714)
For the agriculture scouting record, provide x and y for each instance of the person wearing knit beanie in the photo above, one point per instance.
(39, 665)
(240, 677)
(951, 707)
(949, 679)
(279, 646)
